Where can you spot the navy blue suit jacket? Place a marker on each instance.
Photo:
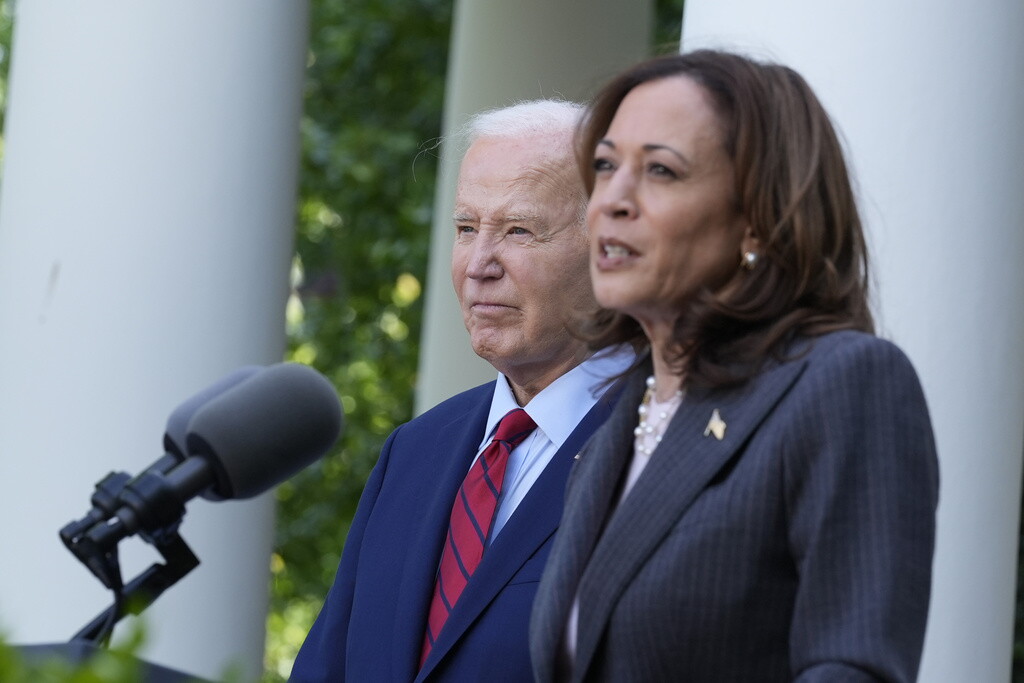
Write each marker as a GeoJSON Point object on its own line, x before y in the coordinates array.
{"type": "Point", "coordinates": [371, 626]}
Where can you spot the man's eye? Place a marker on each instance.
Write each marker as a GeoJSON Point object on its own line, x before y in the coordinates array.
{"type": "Point", "coordinates": [518, 231]}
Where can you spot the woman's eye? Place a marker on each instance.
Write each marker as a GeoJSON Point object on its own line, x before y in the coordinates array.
{"type": "Point", "coordinates": [602, 164]}
{"type": "Point", "coordinates": [657, 169]}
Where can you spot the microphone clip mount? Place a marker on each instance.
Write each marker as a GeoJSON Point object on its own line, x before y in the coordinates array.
{"type": "Point", "coordinates": [123, 506]}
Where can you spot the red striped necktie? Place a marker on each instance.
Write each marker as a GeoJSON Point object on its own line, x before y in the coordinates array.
{"type": "Point", "coordinates": [472, 520]}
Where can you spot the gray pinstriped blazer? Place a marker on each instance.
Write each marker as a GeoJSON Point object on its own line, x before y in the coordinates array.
{"type": "Point", "coordinates": [799, 547]}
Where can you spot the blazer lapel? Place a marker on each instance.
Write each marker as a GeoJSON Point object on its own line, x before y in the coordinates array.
{"type": "Point", "coordinates": [586, 505]}
{"type": "Point", "coordinates": [685, 462]}
{"type": "Point", "coordinates": [454, 449]}
{"type": "Point", "coordinates": [530, 526]}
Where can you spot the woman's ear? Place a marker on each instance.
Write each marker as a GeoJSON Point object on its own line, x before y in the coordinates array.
{"type": "Point", "coordinates": [750, 249]}
{"type": "Point", "coordinates": [750, 242]}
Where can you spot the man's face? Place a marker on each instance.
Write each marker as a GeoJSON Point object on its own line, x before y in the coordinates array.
{"type": "Point", "coordinates": [519, 264]}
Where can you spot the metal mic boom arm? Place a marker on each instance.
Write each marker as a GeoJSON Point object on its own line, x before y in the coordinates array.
{"type": "Point", "coordinates": [148, 505]}
{"type": "Point", "coordinates": [145, 588]}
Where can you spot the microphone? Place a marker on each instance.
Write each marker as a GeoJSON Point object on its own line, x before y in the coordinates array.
{"type": "Point", "coordinates": [105, 500]}
{"type": "Point", "coordinates": [239, 443]}
{"type": "Point", "coordinates": [268, 429]}
{"type": "Point", "coordinates": [177, 424]}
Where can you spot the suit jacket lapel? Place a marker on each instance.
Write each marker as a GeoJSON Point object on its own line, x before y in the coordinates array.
{"type": "Point", "coordinates": [530, 526]}
{"type": "Point", "coordinates": [453, 450]}
{"type": "Point", "coordinates": [586, 506]}
{"type": "Point", "coordinates": [682, 466]}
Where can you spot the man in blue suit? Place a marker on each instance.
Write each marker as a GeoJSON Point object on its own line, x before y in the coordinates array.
{"type": "Point", "coordinates": [520, 272]}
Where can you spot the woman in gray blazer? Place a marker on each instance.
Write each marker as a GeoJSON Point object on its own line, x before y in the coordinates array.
{"type": "Point", "coordinates": [760, 506]}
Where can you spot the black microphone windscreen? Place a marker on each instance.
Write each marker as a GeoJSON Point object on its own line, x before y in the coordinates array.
{"type": "Point", "coordinates": [262, 431]}
{"type": "Point", "coordinates": [177, 424]}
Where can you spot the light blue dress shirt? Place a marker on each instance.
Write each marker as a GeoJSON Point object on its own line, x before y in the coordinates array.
{"type": "Point", "coordinates": [557, 410]}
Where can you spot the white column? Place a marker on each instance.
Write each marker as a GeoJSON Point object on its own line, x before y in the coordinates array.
{"type": "Point", "coordinates": [502, 52]}
{"type": "Point", "coordinates": [930, 98]}
{"type": "Point", "coordinates": [146, 222]}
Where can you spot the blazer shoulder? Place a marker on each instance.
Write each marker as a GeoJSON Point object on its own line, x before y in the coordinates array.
{"type": "Point", "coordinates": [467, 399]}
{"type": "Point", "coordinates": [867, 388]}
{"type": "Point", "coordinates": [453, 408]}
{"type": "Point", "coordinates": [860, 353]}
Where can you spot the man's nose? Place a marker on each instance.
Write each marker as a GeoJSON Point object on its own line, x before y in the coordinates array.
{"type": "Point", "coordinates": [485, 260]}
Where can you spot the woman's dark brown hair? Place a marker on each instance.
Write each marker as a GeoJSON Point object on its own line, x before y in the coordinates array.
{"type": "Point", "coordinates": [793, 188]}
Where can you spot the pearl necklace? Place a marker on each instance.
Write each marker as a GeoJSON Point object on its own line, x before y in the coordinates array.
{"type": "Point", "coordinates": [654, 418]}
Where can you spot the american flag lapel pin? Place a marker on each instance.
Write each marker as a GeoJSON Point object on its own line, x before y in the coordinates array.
{"type": "Point", "coordinates": [716, 425]}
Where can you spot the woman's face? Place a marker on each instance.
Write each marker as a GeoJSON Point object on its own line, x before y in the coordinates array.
{"type": "Point", "coordinates": [662, 216]}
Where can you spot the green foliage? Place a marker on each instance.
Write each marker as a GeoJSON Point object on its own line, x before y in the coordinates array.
{"type": "Point", "coordinates": [118, 664]}
{"type": "Point", "coordinates": [106, 666]}
{"type": "Point", "coordinates": [668, 23]}
{"type": "Point", "coordinates": [6, 28]}
{"type": "Point", "coordinates": [373, 99]}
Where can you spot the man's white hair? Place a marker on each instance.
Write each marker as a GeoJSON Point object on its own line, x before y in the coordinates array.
{"type": "Point", "coordinates": [526, 119]}
{"type": "Point", "coordinates": [555, 119]}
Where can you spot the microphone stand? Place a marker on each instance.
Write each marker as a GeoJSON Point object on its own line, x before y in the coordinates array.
{"type": "Point", "coordinates": [94, 538]}
{"type": "Point", "coordinates": [149, 506]}
{"type": "Point", "coordinates": [143, 590]}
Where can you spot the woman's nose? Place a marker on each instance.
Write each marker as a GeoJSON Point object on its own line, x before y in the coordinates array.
{"type": "Point", "coordinates": [616, 197]}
